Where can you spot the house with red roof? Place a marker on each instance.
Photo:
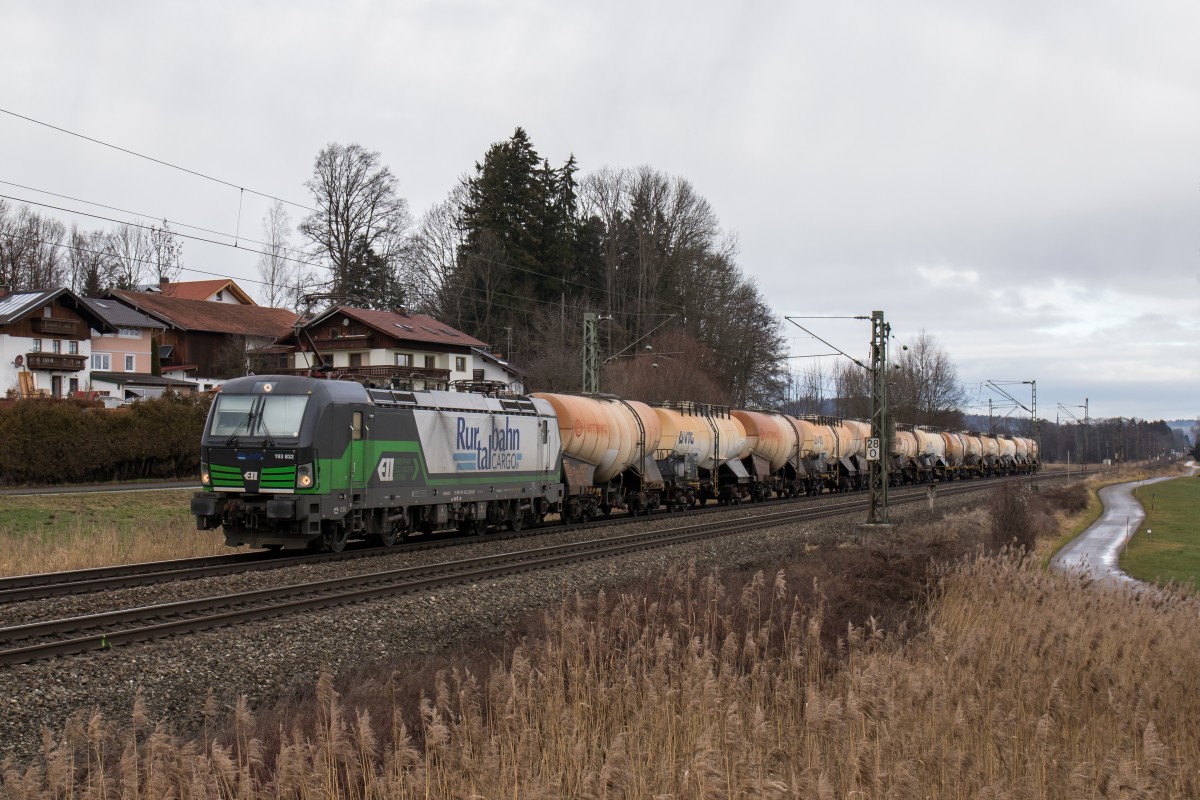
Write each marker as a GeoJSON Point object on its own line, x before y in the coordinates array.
{"type": "Point", "coordinates": [396, 348]}
{"type": "Point", "coordinates": [204, 340]}
{"type": "Point", "coordinates": [219, 290]}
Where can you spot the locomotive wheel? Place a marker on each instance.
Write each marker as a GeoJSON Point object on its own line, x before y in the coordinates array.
{"type": "Point", "coordinates": [388, 539]}
{"type": "Point", "coordinates": [517, 521]}
{"type": "Point", "coordinates": [335, 539]}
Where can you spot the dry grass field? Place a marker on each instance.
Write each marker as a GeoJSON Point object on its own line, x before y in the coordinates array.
{"type": "Point", "coordinates": [47, 533]}
{"type": "Point", "coordinates": [846, 671]}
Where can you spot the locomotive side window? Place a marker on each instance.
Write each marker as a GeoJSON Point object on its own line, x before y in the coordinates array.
{"type": "Point", "coordinates": [356, 426]}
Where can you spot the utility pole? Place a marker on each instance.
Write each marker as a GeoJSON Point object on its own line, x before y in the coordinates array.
{"type": "Point", "coordinates": [591, 353]}
{"type": "Point", "coordinates": [878, 467]}
{"type": "Point", "coordinates": [1037, 436]}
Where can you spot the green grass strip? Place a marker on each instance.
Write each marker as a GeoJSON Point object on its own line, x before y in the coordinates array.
{"type": "Point", "coordinates": [1171, 553]}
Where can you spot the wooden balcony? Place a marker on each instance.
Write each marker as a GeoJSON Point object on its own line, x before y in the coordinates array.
{"type": "Point", "coordinates": [55, 327]}
{"type": "Point", "coordinates": [55, 361]}
{"type": "Point", "coordinates": [349, 342]}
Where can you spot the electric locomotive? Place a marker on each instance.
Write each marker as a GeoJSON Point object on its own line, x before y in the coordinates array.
{"type": "Point", "coordinates": [297, 462]}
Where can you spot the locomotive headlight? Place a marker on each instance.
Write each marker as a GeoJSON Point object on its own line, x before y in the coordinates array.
{"type": "Point", "coordinates": [304, 476]}
{"type": "Point", "coordinates": [205, 477]}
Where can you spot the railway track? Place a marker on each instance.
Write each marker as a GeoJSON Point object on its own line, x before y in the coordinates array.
{"type": "Point", "coordinates": [103, 631]}
{"type": "Point", "coordinates": [58, 584]}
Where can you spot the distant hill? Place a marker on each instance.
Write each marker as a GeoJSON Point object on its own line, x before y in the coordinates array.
{"type": "Point", "coordinates": [1184, 425]}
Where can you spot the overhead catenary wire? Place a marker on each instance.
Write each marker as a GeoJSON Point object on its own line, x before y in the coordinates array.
{"type": "Point", "coordinates": [153, 159]}
{"type": "Point", "coordinates": [523, 300]}
{"type": "Point", "coordinates": [318, 265]}
{"type": "Point", "coordinates": [242, 190]}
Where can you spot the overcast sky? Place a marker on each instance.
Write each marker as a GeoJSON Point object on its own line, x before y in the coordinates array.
{"type": "Point", "coordinates": [1020, 179]}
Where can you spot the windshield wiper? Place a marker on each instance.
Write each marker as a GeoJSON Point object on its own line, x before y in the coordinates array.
{"type": "Point", "coordinates": [268, 440]}
{"type": "Point", "coordinates": [231, 440]}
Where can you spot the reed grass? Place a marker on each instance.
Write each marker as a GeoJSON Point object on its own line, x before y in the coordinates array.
{"type": "Point", "coordinates": [1013, 683]}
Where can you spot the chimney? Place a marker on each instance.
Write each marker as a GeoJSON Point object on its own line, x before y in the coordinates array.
{"type": "Point", "coordinates": [401, 310]}
{"type": "Point", "coordinates": [5, 289]}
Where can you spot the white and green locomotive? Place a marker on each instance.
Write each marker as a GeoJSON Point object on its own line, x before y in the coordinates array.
{"type": "Point", "coordinates": [297, 462]}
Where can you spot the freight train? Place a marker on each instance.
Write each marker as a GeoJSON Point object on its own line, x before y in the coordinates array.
{"type": "Point", "coordinates": [297, 462]}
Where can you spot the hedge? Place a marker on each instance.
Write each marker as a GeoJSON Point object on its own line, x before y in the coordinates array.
{"type": "Point", "coordinates": [67, 441]}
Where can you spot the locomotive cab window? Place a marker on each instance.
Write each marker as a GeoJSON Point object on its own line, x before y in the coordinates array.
{"type": "Point", "coordinates": [356, 426]}
{"type": "Point", "coordinates": [277, 415]}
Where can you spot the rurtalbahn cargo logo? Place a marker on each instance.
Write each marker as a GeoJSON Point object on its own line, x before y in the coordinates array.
{"type": "Point", "coordinates": [499, 449]}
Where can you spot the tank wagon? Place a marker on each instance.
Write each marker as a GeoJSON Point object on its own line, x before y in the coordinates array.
{"type": "Point", "coordinates": [608, 458]}
{"type": "Point", "coordinates": [294, 462]}
{"type": "Point", "coordinates": [700, 454]}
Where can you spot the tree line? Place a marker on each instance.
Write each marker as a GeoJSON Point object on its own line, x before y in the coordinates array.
{"type": "Point", "coordinates": [40, 252]}
{"type": "Point", "coordinates": [520, 250]}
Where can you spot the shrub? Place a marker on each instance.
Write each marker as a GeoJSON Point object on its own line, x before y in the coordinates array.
{"type": "Point", "coordinates": [1019, 517]}
{"type": "Point", "coordinates": [67, 441]}
{"type": "Point", "coordinates": [1070, 499]}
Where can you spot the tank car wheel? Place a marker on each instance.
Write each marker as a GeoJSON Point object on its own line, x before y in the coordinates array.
{"type": "Point", "coordinates": [387, 539]}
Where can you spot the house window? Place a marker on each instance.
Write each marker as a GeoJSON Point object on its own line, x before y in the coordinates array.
{"type": "Point", "coordinates": [220, 295]}
{"type": "Point", "coordinates": [46, 312]}
{"type": "Point", "coordinates": [129, 363]}
{"type": "Point", "coordinates": [430, 362]}
{"type": "Point", "coordinates": [129, 333]}
{"type": "Point", "coordinates": [356, 359]}
{"type": "Point", "coordinates": [56, 346]}
{"type": "Point", "coordinates": [403, 359]}
{"type": "Point", "coordinates": [74, 384]}
{"type": "Point", "coordinates": [102, 362]}
{"type": "Point", "coordinates": [460, 363]}
{"type": "Point", "coordinates": [73, 347]}
{"type": "Point", "coordinates": [36, 347]}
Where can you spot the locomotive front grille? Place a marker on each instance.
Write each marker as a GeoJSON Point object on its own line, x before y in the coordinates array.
{"type": "Point", "coordinates": [229, 478]}
{"type": "Point", "coordinates": [276, 480]}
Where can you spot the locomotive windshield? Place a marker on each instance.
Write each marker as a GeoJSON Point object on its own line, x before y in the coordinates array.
{"type": "Point", "coordinates": [270, 415]}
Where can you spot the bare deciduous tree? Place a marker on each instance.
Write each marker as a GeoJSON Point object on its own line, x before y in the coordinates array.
{"type": "Point", "coordinates": [926, 390]}
{"type": "Point", "coordinates": [166, 254]}
{"type": "Point", "coordinates": [358, 211]}
{"type": "Point", "coordinates": [129, 250]}
{"type": "Point", "coordinates": [276, 265]}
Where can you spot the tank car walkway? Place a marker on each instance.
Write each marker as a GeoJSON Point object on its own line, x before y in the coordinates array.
{"type": "Point", "coordinates": [1097, 550]}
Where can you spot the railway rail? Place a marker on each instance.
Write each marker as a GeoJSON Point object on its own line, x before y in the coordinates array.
{"type": "Point", "coordinates": [103, 631]}
{"type": "Point", "coordinates": [58, 584]}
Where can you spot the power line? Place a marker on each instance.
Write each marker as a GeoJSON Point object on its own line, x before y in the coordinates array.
{"type": "Point", "coordinates": [243, 189]}
{"type": "Point", "coordinates": [148, 227]}
{"type": "Point", "coordinates": [140, 215]}
{"type": "Point", "coordinates": [564, 281]}
{"type": "Point", "coordinates": [155, 160]}
{"type": "Point", "coordinates": [80, 249]}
